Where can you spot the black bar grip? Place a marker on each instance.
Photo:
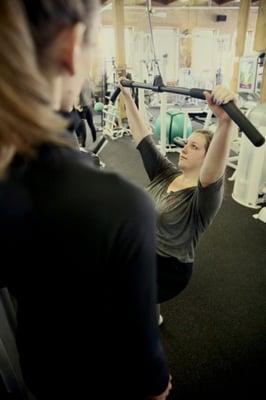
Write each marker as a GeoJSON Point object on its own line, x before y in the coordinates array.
{"type": "Point", "coordinates": [244, 124]}
{"type": "Point", "coordinates": [237, 116]}
{"type": "Point", "coordinates": [115, 94]}
{"type": "Point", "coordinates": [117, 91]}
{"type": "Point", "coordinates": [230, 108]}
{"type": "Point", "coordinates": [128, 83]}
{"type": "Point", "coordinates": [198, 93]}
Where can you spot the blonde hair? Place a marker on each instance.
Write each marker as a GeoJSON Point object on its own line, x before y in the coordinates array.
{"type": "Point", "coordinates": [27, 29]}
{"type": "Point", "coordinates": [26, 116]}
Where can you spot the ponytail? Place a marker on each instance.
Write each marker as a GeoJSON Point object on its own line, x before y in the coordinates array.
{"type": "Point", "coordinates": [26, 116]}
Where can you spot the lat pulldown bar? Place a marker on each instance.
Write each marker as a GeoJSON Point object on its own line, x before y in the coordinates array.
{"type": "Point", "coordinates": [230, 108]}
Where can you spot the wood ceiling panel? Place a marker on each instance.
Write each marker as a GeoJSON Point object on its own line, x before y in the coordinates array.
{"type": "Point", "coordinates": [176, 2]}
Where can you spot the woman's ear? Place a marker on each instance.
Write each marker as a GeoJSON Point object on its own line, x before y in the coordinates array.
{"type": "Point", "coordinates": [69, 47]}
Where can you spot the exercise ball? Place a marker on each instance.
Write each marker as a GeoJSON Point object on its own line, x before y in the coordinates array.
{"type": "Point", "coordinates": [98, 107]}
{"type": "Point", "coordinates": [174, 126]}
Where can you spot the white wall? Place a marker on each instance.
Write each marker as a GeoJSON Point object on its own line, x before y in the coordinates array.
{"type": "Point", "coordinates": [226, 55]}
{"type": "Point", "coordinates": [166, 43]}
{"type": "Point", "coordinates": [210, 50]}
{"type": "Point", "coordinates": [138, 48]}
{"type": "Point", "coordinates": [204, 59]}
{"type": "Point", "coordinates": [108, 48]}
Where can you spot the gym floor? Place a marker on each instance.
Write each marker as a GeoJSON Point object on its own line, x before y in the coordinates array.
{"type": "Point", "coordinates": [214, 333]}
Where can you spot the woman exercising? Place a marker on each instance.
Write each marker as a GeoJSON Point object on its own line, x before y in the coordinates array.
{"type": "Point", "coordinates": [188, 196]}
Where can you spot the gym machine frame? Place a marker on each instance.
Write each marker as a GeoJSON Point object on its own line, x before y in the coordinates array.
{"type": "Point", "coordinates": [230, 108]}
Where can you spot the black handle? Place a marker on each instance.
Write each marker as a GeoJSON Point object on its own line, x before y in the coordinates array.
{"type": "Point", "coordinates": [230, 108]}
{"type": "Point", "coordinates": [237, 116]}
{"type": "Point", "coordinates": [125, 83]}
{"type": "Point", "coordinates": [244, 124]}
{"type": "Point", "coordinates": [115, 94]}
{"type": "Point", "coordinates": [198, 93]}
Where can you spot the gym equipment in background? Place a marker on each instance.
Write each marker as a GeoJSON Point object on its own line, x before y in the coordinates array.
{"type": "Point", "coordinates": [113, 125]}
{"type": "Point", "coordinates": [230, 108]}
{"type": "Point", "coordinates": [178, 124]}
{"type": "Point", "coordinates": [249, 82]}
{"type": "Point", "coordinates": [261, 214]}
{"type": "Point", "coordinates": [250, 74]}
{"type": "Point", "coordinates": [250, 178]}
{"type": "Point", "coordinates": [98, 107]}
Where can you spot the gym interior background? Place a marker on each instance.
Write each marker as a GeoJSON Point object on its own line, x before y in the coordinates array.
{"type": "Point", "coordinates": [214, 333]}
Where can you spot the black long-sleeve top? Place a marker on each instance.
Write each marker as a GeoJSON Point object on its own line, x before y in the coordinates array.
{"type": "Point", "coordinates": [79, 245]}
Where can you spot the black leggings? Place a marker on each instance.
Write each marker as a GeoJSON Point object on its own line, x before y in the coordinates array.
{"type": "Point", "coordinates": [172, 277]}
{"type": "Point", "coordinates": [87, 115]}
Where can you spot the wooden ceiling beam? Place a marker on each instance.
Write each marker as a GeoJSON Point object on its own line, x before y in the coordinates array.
{"type": "Point", "coordinates": [166, 2]}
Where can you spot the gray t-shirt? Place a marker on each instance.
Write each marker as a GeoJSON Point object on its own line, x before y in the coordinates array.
{"type": "Point", "coordinates": [184, 215]}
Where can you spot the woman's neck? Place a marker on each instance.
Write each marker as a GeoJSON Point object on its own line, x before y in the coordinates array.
{"type": "Point", "coordinates": [55, 89]}
{"type": "Point", "coordinates": [190, 177]}
{"type": "Point", "coordinates": [54, 86]}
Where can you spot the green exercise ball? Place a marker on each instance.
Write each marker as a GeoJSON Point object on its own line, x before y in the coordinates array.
{"type": "Point", "coordinates": [98, 107]}
{"type": "Point", "coordinates": [174, 126]}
